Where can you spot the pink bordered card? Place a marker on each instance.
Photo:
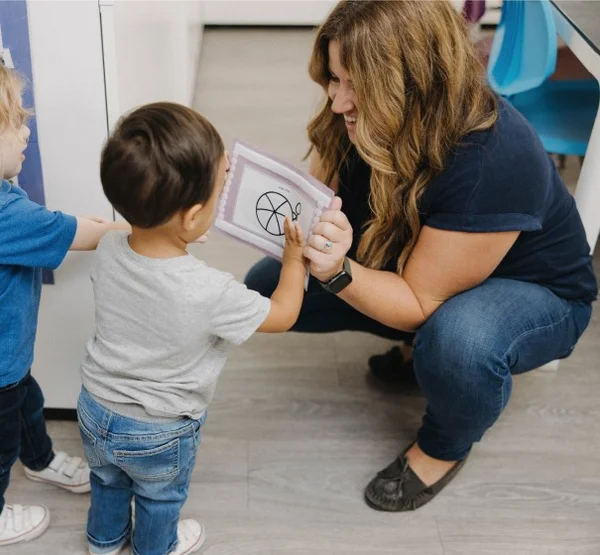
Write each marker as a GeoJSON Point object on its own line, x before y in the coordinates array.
{"type": "Point", "coordinates": [260, 192]}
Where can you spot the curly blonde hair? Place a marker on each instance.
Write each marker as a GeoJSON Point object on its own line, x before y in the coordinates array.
{"type": "Point", "coordinates": [420, 88]}
{"type": "Point", "coordinates": [12, 113]}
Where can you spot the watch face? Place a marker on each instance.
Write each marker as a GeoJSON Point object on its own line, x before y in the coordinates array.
{"type": "Point", "coordinates": [340, 282]}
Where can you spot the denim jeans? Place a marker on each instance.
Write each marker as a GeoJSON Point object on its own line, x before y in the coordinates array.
{"type": "Point", "coordinates": [465, 353]}
{"type": "Point", "coordinates": [22, 430]}
{"type": "Point", "coordinates": [150, 462]}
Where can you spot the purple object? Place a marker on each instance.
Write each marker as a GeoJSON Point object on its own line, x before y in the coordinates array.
{"type": "Point", "coordinates": [473, 10]}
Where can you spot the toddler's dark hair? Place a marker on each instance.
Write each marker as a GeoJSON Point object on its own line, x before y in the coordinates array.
{"type": "Point", "coordinates": [160, 159]}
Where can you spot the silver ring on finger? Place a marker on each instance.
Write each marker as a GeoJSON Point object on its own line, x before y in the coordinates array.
{"type": "Point", "coordinates": [327, 246]}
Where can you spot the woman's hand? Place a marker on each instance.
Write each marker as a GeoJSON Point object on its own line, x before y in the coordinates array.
{"type": "Point", "coordinates": [330, 240]}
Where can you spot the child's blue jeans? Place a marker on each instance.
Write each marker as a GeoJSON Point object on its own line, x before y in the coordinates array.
{"type": "Point", "coordinates": [22, 430]}
{"type": "Point", "coordinates": [466, 352]}
{"type": "Point", "coordinates": [150, 462]}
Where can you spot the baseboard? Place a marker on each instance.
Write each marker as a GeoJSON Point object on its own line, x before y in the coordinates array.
{"type": "Point", "coordinates": [60, 414]}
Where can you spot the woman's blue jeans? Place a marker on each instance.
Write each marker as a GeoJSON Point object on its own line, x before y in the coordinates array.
{"type": "Point", "coordinates": [466, 352]}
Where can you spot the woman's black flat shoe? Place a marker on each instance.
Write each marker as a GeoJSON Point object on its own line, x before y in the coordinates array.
{"type": "Point", "coordinates": [392, 369]}
{"type": "Point", "coordinates": [397, 488]}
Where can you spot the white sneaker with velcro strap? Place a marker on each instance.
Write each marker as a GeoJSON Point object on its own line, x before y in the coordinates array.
{"type": "Point", "coordinates": [70, 473]}
{"type": "Point", "coordinates": [190, 537]}
{"type": "Point", "coordinates": [19, 523]}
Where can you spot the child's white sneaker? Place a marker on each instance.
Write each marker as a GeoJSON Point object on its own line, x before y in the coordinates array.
{"type": "Point", "coordinates": [190, 537]}
{"type": "Point", "coordinates": [20, 523]}
{"type": "Point", "coordinates": [70, 473]}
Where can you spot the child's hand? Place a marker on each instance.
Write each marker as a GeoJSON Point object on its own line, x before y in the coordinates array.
{"type": "Point", "coordinates": [294, 242]}
{"type": "Point", "coordinates": [286, 300]}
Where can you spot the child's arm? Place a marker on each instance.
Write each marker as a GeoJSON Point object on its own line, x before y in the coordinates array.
{"type": "Point", "coordinates": [286, 300]}
{"type": "Point", "coordinates": [91, 230]}
{"type": "Point", "coordinates": [35, 237]}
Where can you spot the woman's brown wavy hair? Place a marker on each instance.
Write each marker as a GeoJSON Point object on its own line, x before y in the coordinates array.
{"type": "Point", "coordinates": [420, 88]}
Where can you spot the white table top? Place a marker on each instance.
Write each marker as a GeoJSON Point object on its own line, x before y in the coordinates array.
{"type": "Point", "coordinates": [584, 16]}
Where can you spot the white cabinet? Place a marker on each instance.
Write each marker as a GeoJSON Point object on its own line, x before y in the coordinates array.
{"type": "Point", "coordinates": [151, 51]}
{"type": "Point", "coordinates": [87, 70]}
{"type": "Point", "coordinates": [66, 52]}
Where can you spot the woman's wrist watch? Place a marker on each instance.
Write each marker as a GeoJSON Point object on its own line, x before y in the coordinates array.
{"type": "Point", "coordinates": [339, 281]}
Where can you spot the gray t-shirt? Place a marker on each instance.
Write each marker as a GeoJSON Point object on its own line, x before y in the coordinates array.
{"type": "Point", "coordinates": [163, 328]}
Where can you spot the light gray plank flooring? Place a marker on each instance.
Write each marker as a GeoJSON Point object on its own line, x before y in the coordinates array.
{"type": "Point", "coordinates": [295, 430]}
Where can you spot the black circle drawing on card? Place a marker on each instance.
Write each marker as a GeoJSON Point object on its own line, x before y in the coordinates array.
{"type": "Point", "coordinates": [272, 208]}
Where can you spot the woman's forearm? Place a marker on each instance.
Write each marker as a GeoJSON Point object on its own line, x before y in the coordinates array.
{"type": "Point", "coordinates": [385, 297]}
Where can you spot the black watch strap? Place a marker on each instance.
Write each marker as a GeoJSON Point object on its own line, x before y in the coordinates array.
{"type": "Point", "coordinates": [340, 281]}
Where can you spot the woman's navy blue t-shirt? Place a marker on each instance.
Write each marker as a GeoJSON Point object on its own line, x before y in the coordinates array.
{"type": "Point", "coordinates": [500, 179]}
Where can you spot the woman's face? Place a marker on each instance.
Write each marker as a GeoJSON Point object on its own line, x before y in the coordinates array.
{"type": "Point", "coordinates": [341, 91]}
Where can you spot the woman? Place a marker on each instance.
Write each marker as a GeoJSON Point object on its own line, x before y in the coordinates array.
{"type": "Point", "coordinates": [454, 225]}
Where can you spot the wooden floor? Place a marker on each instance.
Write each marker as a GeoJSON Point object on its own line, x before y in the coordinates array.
{"type": "Point", "coordinates": [295, 432]}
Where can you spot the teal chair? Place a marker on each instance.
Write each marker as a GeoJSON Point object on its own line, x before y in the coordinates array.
{"type": "Point", "coordinates": [522, 57]}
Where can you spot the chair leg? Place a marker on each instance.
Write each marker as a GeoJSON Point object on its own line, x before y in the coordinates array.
{"type": "Point", "coordinates": [587, 192]}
